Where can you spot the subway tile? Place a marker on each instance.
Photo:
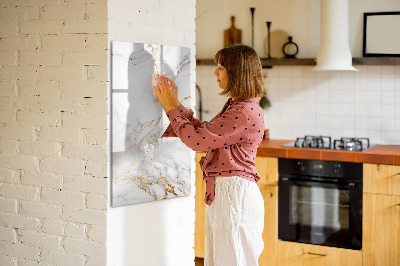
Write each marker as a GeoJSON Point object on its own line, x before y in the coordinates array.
{"type": "Point", "coordinates": [284, 83]}
{"type": "Point", "coordinates": [361, 97]}
{"type": "Point", "coordinates": [322, 121]}
{"type": "Point", "coordinates": [388, 137]}
{"type": "Point", "coordinates": [374, 123]}
{"type": "Point", "coordinates": [347, 109]}
{"type": "Point", "coordinates": [335, 95]}
{"type": "Point", "coordinates": [388, 84]}
{"type": "Point", "coordinates": [360, 124]}
{"type": "Point", "coordinates": [297, 83]}
{"type": "Point", "coordinates": [348, 122]}
{"type": "Point", "coordinates": [322, 96]}
{"type": "Point", "coordinates": [388, 97]}
{"type": "Point", "coordinates": [348, 96]}
{"type": "Point", "coordinates": [322, 109]}
{"type": "Point", "coordinates": [349, 132]}
{"type": "Point", "coordinates": [397, 123]}
{"type": "Point", "coordinates": [397, 72]}
{"type": "Point", "coordinates": [388, 124]}
{"type": "Point", "coordinates": [374, 110]}
{"type": "Point", "coordinates": [374, 84]}
{"type": "Point", "coordinates": [374, 97]}
{"type": "Point", "coordinates": [335, 122]}
{"type": "Point", "coordinates": [361, 110]}
{"type": "Point", "coordinates": [310, 95]}
{"type": "Point", "coordinates": [310, 108]}
{"type": "Point", "coordinates": [296, 71]}
{"type": "Point", "coordinates": [321, 83]}
{"type": "Point", "coordinates": [388, 110]}
{"type": "Point", "coordinates": [374, 70]}
{"type": "Point", "coordinates": [397, 133]}
{"type": "Point", "coordinates": [387, 71]}
{"type": "Point", "coordinates": [375, 136]}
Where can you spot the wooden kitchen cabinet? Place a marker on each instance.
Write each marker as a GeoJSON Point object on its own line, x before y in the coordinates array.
{"type": "Point", "coordinates": [200, 207]}
{"type": "Point", "coordinates": [270, 233]}
{"type": "Point", "coordinates": [381, 215]}
{"type": "Point", "coordinates": [267, 168]}
{"type": "Point", "coordinates": [381, 179]}
{"type": "Point", "coordinates": [298, 254]}
{"type": "Point", "coordinates": [381, 230]}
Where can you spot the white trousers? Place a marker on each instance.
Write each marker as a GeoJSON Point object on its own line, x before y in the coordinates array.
{"type": "Point", "coordinates": [234, 223]}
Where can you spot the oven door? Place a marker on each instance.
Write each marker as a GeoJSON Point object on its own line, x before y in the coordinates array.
{"type": "Point", "coordinates": [321, 212]}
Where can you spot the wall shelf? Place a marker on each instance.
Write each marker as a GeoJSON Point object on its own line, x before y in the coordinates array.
{"type": "Point", "coordinates": [312, 61]}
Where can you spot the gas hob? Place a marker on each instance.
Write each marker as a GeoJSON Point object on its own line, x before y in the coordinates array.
{"type": "Point", "coordinates": [325, 142]}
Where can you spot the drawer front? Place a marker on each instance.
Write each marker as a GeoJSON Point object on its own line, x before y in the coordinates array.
{"type": "Point", "coordinates": [294, 254]}
{"type": "Point", "coordinates": [381, 179]}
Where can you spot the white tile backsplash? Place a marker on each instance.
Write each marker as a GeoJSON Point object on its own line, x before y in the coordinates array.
{"type": "Point", "coordinates": [364, 103]}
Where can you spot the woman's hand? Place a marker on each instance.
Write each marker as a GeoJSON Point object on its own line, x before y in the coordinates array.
{"type": "Point", "coordinates": [164, 94]}
{"type": "Point", "coordinates": [174, 90]}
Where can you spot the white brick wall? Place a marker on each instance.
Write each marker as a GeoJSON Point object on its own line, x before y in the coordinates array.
{"type": "Point", "coordinates": [53, 122]}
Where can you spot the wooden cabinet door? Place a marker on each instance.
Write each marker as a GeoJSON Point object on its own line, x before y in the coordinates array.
{"type": "Point", "coordinates": [381, 230]}
{"type": "Point", "coordinates": [267, 168]}
{"type": "Point", "coordinates": [200, 207]}
{"type": "Point", "coordinates": [381, 179]}
{"type": "Point", "coordinates": [297, 254]}
{"type": "Point", "coordinates": [270, 233]}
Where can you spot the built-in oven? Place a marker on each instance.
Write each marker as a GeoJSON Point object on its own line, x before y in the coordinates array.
{"type": "Point", "coordinates": [320, 202]}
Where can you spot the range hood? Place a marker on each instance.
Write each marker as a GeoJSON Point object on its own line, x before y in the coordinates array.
{"type": "Point", "coordinates": [334, 51]}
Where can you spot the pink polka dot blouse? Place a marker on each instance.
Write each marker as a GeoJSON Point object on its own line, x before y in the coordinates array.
{"type": "Point", "coordinates": [231, 139]}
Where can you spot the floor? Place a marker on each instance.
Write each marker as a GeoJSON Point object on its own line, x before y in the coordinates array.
{"type": "Point", "coordinates": [199, 262]}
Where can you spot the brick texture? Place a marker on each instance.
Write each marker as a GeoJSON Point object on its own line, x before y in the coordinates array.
{"type": "Point", "coordinates": [53, 122]}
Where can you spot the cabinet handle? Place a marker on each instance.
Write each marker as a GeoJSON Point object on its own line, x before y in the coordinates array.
{"type": "Point", "coordinates": [398, 204]}
{"type": "Point", "coordinates": [318, 254]}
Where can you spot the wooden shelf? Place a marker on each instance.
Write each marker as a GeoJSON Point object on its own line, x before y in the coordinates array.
{"type": "Point", "coordinates": [376, 61]}
{"type": "Point", "coordinates": [312, 61]}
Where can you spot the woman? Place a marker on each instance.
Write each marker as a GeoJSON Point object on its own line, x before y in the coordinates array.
{"type": "Point", "coordinates": [235, 207]}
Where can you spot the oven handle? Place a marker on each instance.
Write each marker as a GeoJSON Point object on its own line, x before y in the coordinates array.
{"type": "Point", "coordinates": [297, 181]}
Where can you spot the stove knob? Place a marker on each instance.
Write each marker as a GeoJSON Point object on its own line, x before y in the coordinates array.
{"type": "Point", "coordinates": [336, 169]}
{"type": "Point", "coordinates": [301, 166]}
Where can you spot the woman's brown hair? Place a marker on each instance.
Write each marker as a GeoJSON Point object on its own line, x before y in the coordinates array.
{"type": "Point", "coordinates": [245, 78]}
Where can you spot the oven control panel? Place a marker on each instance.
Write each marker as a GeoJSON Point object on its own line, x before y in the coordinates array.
{"type": "Point", "coordinates": [331, 169]}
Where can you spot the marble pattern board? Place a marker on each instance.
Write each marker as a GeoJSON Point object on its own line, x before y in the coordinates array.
{"type": "Point", "coordinates": [144, 166]}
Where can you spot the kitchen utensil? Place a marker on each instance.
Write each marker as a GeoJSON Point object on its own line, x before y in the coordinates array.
{"type": "Point", "coordinates": [269, 38]}
{"type": "Point", "coordinates": [252, 9]}
{"type": "Point", "coordinates": [232, 35]}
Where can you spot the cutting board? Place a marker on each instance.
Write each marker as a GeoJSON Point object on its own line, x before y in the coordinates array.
{"type": "Point", "coordinates": [232, 35]}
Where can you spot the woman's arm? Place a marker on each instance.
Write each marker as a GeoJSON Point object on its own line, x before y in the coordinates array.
{"type": "Point", "coordinates": [228, 129]}
{"type": "Point", "coordinates": [186, 113]}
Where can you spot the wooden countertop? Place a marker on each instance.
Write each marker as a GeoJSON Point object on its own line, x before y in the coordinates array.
{"type": "Point", "coordinates": [379, 154]}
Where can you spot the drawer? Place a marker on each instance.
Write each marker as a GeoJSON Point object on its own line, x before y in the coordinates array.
{"type": "Point", "coordinates": [293, 254]}
{"type": "Point", "coordinates": [381, 179]}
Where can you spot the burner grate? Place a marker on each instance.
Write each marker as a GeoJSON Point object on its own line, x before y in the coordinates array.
{"type": "Point", "coordinates": [321, 142]}
{"type": "Point", "coordinates": [351, 144]}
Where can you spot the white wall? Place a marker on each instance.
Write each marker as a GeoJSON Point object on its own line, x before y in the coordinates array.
{"type": "Point", "coordinates": [162, 232]}
{"type": "Point", "coordinates": [338, 104]}
{"type": "Point", "coordinates": [299, 18]}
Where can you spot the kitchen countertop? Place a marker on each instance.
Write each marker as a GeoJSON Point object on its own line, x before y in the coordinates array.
{"type": "Point", "coordinates": [379, 154]}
